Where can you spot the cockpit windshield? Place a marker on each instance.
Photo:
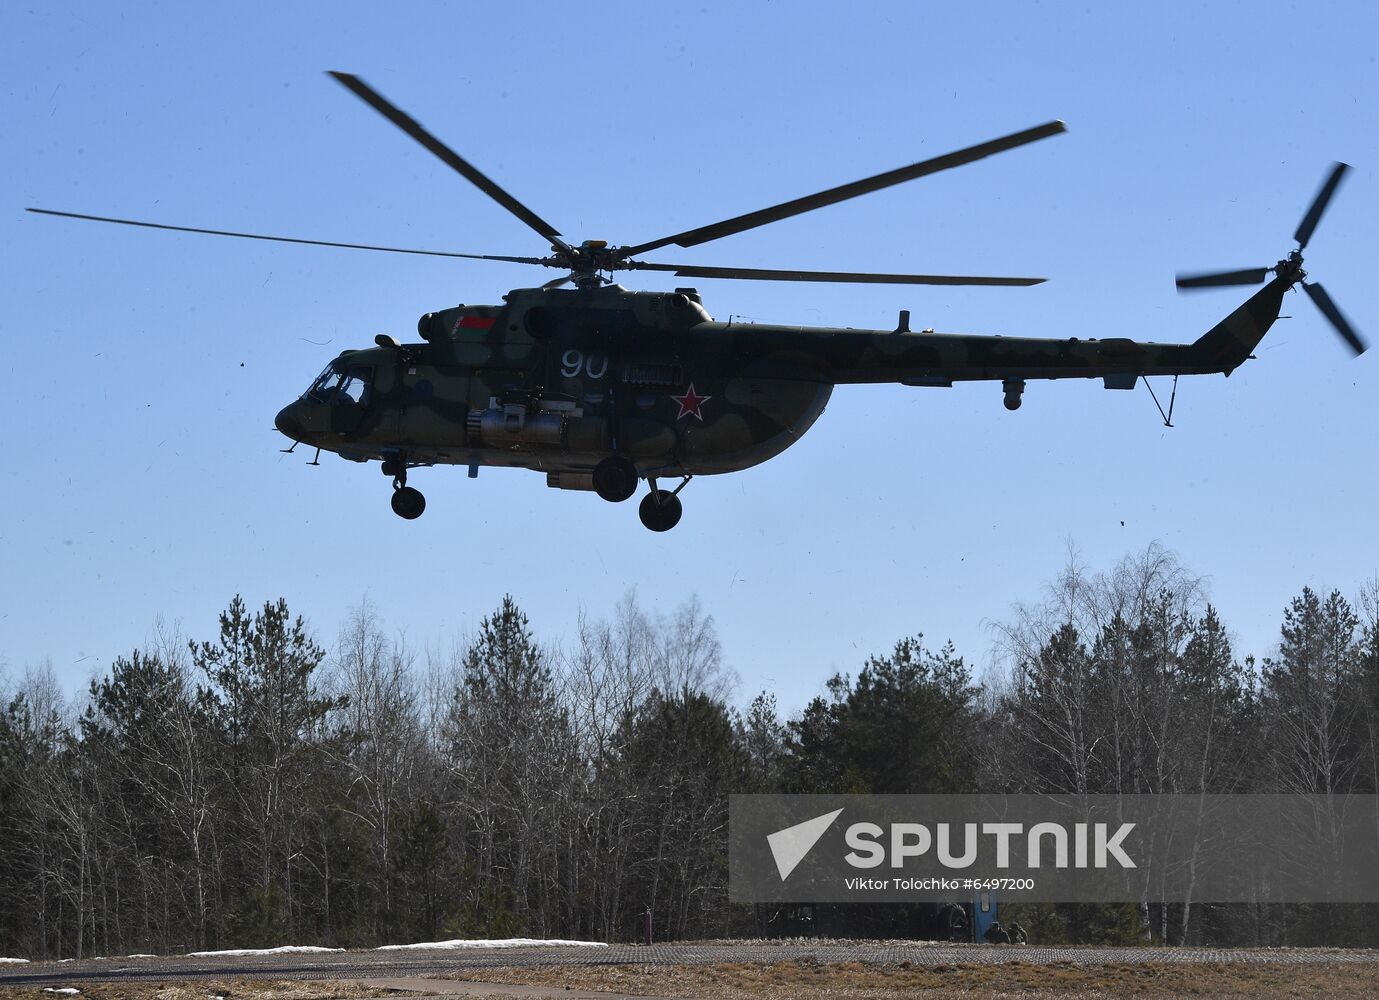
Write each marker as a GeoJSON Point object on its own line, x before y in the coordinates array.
{"type": "Point", "coordinates": [342, 381]}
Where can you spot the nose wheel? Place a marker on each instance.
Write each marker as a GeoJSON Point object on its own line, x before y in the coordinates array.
{"type": "Point", "coordinates": [407, 502]}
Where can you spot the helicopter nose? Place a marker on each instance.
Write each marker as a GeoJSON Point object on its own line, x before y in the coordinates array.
{"type": "Point", "coordinates": [289, 421]}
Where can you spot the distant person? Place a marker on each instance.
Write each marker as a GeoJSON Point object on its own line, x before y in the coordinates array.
{"type": "Point", "coordinates": [1017, 934]}
{"type": "Point", "coordinates": [996, 934]}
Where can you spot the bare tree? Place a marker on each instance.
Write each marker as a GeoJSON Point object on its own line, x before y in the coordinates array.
{"type": "Point", "coordinates": [381, 744]}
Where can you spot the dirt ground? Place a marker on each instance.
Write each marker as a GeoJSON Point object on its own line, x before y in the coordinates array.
{"type": "Point", "coordinates": [1027, 981]}
{"type": "Point", "coordinates": [813, 981]}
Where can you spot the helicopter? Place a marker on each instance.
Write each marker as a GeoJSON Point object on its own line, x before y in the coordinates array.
{"type": "Point", "coordinates": [601, 388]}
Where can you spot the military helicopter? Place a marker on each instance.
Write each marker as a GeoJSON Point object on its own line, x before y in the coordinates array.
{"type": "Point", "coordinates": [600, 387]}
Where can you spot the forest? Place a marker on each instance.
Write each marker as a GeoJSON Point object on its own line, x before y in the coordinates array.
{"type": "Point", "coordinates": [257, 788]}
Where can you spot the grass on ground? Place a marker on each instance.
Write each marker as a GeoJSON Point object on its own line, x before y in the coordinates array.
{"type": "Point", "coordinates": [1027, 980]}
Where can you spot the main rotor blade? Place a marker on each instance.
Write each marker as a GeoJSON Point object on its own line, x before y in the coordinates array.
{"type": "Point", "coordinates": [857, 277]}
{"type": "Point", "coordinates": [1216, 279]}
{"type": "Point", "coordinates": [1319, 203]}
{"type": "Point", "coordinates": [1329, 310]}
{"type": "Point", "coordinates": [285, 239]}
{"type": "Point", "coordinates": [693, 237]}
{"type": "Point", "coordinates": [447, 155]}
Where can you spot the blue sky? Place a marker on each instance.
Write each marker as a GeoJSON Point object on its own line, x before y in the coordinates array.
{"type": "Point", "coordinates": [143, 476]}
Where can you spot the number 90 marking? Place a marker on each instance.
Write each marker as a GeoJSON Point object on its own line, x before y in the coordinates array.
{"type": "Point", "coordinates": [573, 363]}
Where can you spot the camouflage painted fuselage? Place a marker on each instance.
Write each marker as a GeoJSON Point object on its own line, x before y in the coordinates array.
{"type": "Point", "coordinates": [555, 380]}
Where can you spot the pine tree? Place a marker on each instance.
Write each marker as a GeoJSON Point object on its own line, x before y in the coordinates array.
{"type": "Point", "coordinates": [268, 719]}
{"type": "Point", "coordinates": [905, 726]}
{"type": "Point", "coordinates": [683, 753]}
{"type": "Point", "coordinates": [511, 764]}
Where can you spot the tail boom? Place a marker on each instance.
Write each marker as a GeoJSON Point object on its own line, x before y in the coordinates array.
{"type": "Point", "coordinates": [1230, 343]}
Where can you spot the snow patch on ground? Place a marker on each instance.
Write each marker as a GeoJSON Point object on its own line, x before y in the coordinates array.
{"type": "Point", "coordinates": [492, 943]}
{"type": "Point", "coordinates": [287, 949]}
{"type": "Point", "coordinates": [14, 961]}
{"type": "Point", "coordinates": [141, 956]}
{"type": "Point", "coordinates": [66, 991]}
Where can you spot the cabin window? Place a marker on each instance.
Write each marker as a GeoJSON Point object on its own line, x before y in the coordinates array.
{"type": "Point", "coordinates": [340, 382]}
{"type": "Point", "coordinates": [356, 383]}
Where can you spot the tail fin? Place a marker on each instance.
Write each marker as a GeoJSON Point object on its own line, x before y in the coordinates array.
{"type": "Point", "coordinates": [1229, 343]}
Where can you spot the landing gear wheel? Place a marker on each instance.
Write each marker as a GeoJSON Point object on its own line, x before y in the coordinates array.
{"type": "Point", "coordinates": [660, 510]}
{"type": "Point", "coordinates": [615, 478]}
{"type": "Point", "coordinates": [408, 502]}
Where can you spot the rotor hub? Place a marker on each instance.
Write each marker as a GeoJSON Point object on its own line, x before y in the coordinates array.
{"type": "Point", "coordinates": [586, 262]}
{"type": "Point", "coordinates": [1290, 268]}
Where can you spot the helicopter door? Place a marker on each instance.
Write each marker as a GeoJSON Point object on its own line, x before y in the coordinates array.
{"type": "Point", "coordinates": [351, 399]}
{"type": "Point", "coordinates": [578, 350]}
{"type": "Point", "coordinates": [345, 389]}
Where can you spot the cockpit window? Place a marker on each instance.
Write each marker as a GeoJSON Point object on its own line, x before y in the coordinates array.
{"type": "Point", "coordinates": [356, 383]}
{"type": "Point", "coordinates": [342, 381]}
{"type": "Point", "coordinates": [324, 386]}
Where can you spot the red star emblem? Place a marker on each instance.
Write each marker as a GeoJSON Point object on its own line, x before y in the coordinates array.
{"type": "Point", "coordinates": [690, 403]}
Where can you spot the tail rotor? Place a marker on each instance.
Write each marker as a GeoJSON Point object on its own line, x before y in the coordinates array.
{"type": "Point", "coordinates": [1290, 268]}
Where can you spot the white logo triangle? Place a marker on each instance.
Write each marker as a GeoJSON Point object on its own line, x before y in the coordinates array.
{"type": "Point", "coordinates": [789, 846]}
